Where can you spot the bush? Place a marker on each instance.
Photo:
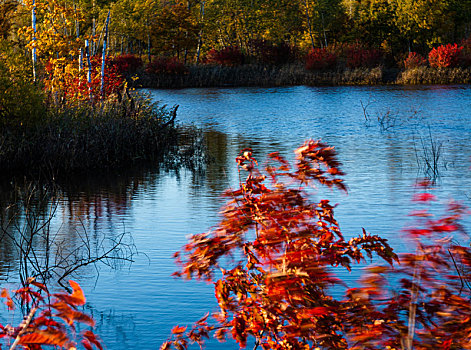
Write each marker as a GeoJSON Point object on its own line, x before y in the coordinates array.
{"type": "Point", "coordinates": [320, 59]}
{"type": "Point", "coordinates": [127, 64]}
{"type": "Point", "coordinates": [283, 292]}
{"type": "Point", "coordinates": [21, 101]}
{"type": "Point", "coordinates": [66, 85]}
{"type": "Point", "coordinates": [361, 56]}
{"type": "Point", "coordinates": [270, 53]}
{"type": "Point", "coordinates": [445, 56]}
{"type": "Point", "coordinates": [121, 130]}
{"type": "Point", "coordinates": [166, 65]}
{"type": "Point", "coordinates": [414, 60]}
{"type": "Point", "coordinates": [228, 56]}
{"type": "Point", "coordinates": [51, 319]}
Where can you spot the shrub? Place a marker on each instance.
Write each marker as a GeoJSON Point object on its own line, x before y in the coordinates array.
{"type": "Point", "coordinates": [270, 53]}
{"type": "Point", "coordinates": [445, 56]}
{"type": "Point", "coordinates": [414, 60]}
{"type": "Point", "coordinates": [166, 65]}
{"type": "Point", "coordinates": [319, 59]}
{"type": "Point", "coordinates": [359, 56]}
{"type": "Point", "coordinates": [228, 56]}
{"type": "Point", "coordinates": [51, 319]}
{"type": "Point", "coordinates": [127, 64]}
{"type": "Point", "coordinates": [280, 288]}
{"type": "Point", "coordinates": [280, 292]}
{"type": "Point", "coordinates": [66, 84]}
{"type": "Point", "coordinates": [21, 101]}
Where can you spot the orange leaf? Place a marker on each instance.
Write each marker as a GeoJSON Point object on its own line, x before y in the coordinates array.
{"type": "Point", "coordinates": [78, 293]}
{"type": "Point", "coordinates": [44, 337]}
{"type": "Point", "coordinates": [165, 346]}
{"type": "Point", "coordinates": [178, 330]}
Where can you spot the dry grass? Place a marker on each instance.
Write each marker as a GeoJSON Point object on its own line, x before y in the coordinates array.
{"type": "Point", "coordinates": [260, 75]}
{"type": "Point", "coordinates": [427, 75]}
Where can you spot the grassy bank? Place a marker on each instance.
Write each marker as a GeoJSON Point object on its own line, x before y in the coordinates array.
{"type": "Point", "coordinates": [116, 133]}
{"type": "Point", "coordinates": [427, 75]}
{"type": "Point", "coordinates": [296, 74]}
{"type": "Point", "coordinates": [259, 75]}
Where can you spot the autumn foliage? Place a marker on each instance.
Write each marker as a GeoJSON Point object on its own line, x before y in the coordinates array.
{"type": "Point", "coordinates": [126, 64]}
{"type": "Point", "coordinates": [273, 256]}
{"type": "Point", "coordinates": [414, 60]}
{"type": "Point", "coordinates": [359, 55]}
{"type": "Point", "coordinates": [320, 59]}
{"type": "Point", "coordinates": [51, 319]}
{"type": "Point", "coordinates": [445, 56]}
{"type": "Point", "coordinates": [268, 52]}
{"type": "Point", "coordinates": [166, 65]}
{"type": "Point", "coordinates": [72, 84]}
{"type": "Point", "coordinates": [227, 56]}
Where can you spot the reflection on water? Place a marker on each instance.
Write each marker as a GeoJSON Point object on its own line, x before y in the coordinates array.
{"type": "Point", "coordinates": [137, 305]}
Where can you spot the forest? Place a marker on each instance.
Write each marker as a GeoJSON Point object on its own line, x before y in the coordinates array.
{"type": "Point", "coordinates": [322, 33]}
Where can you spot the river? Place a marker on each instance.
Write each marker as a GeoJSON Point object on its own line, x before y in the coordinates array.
{"type": "Point", "coordinates": [384, 137]}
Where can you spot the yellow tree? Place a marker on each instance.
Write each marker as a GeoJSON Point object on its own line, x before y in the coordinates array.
{"type": "Point", "coordinates": [7, 12]}
{"type": "Point", "coordinates": [56, 42]}
{"type": "Point", "coordinates": [175, 29]}
{"type": "Point", "coordinates": [423, 23]}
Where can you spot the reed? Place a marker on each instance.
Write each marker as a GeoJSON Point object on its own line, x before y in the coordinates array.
{"type": "Point", "coordinates": [428, 75]}
{"type": "Point", "coordinates": [260, 75]}
{"type": "Point", "coordinates": [118, 132]}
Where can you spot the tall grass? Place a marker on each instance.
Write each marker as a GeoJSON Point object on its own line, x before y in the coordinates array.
{"type": "Point", "coordinates": [260, 75]}
{"type": "Point", "coordinates": [427, 75]}
{"type": "Point", "coordinates": [118, 132]}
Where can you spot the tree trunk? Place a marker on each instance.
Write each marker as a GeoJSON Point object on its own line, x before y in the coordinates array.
{"type": "Point", "coordinates": [308, 18]}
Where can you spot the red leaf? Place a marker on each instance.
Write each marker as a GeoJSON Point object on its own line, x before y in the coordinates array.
{"type": "Point", "coordinates": [423, 197]}
{"type": "Point", "coordinates": [318, 311]}
{"type": "Point", "coordinates": [86, 344]}
{"type": "Point", "coordinates": [92, 338]}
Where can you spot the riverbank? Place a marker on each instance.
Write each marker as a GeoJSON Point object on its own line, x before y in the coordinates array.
{"type": "Point", "coordinates": [296, 74]}
{"type": "Point", "coordinates": [113, 134]}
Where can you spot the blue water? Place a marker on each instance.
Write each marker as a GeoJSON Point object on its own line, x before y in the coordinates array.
{"type": "Point", "coordinates": [380, 133]}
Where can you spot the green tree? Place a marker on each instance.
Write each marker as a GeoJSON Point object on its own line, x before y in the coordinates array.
{"type": "Point", "coordinates": [460, 10]}
{"type": "Point", "coordinates": [322, 21]}
{"type": "Point", "coordinates": [373, 22]}
{"type": "Point", "coordinates": [175, 29]}
{"type": "Point", "coordinates": [423, 23]}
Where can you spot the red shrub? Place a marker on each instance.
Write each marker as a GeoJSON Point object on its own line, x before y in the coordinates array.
{"type": "Point", "coordinates": [166, 65]}
{"type": "Point", "coordinates": [228, 56]}
{"type": "Point", "coordinates": [75, 86]}
{"type": "Point", "coordinates": [271, 53]}
{"type": "Point", "coordinates": [358, 55]}
{"type": "Point", "coordinates": [51, 319]}
{"type": "Point", "coordinates": [414, 60]}
{"type": "Point", "coordinates": [319, 59]}
{"type": "Point", "coordinates": [127, 64]}
{"type": "Point", "coordinates": [282, 292]}
{"type": "Point", "coordinates": [445, 56]}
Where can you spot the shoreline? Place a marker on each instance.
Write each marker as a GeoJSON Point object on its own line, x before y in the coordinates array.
{"type": "Point", "coordinates": [295, 74]}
